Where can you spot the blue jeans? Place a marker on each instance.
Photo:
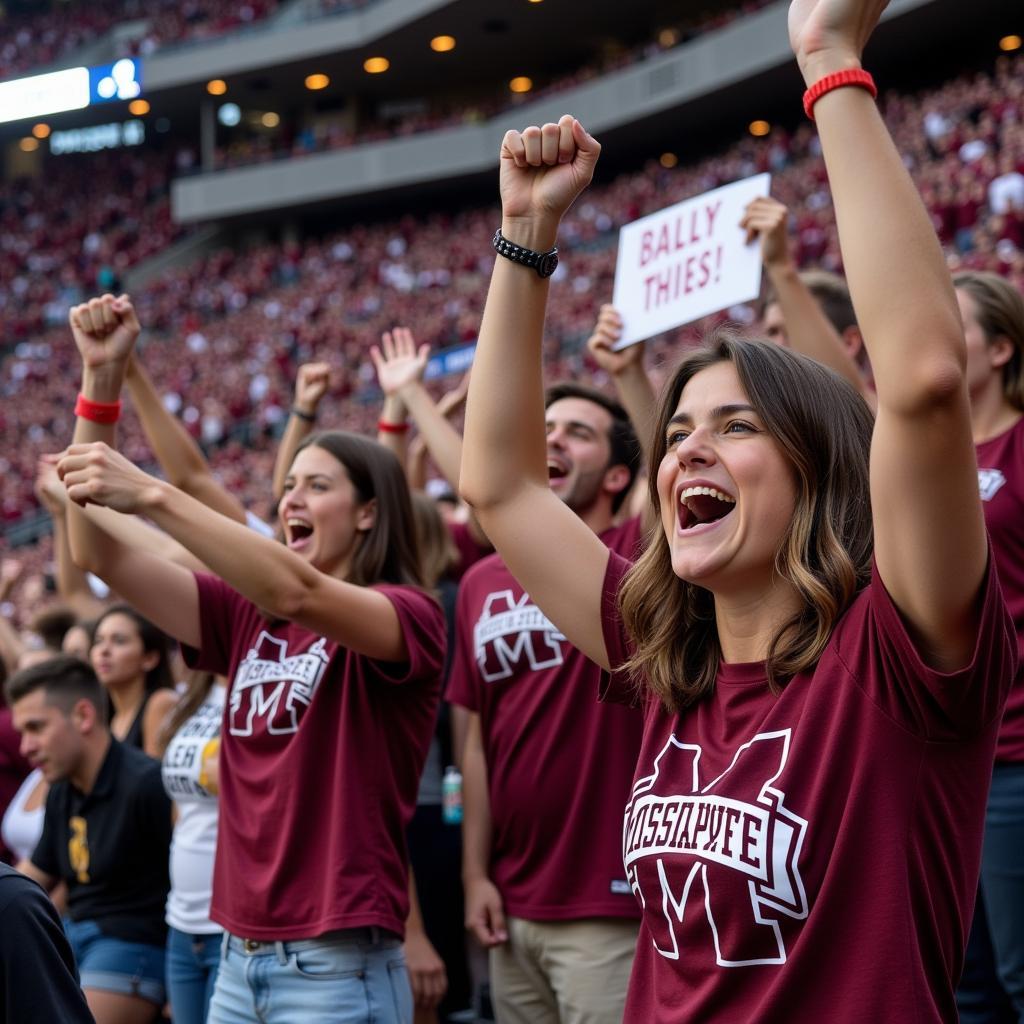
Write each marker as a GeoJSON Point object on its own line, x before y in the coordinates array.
{"type": "Point", "coordinates": [992, 988]}
{"type": "Point", "coordinates": [192, 962]}
{"type": "Point", "coordinates": [356, 976]}
{"type": "Point", "coordinates": [109, 964]}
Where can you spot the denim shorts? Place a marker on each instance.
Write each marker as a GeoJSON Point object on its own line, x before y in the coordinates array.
{"type": "Point", "coordinates": [355, 976]}
{"type": "Point", "coordinates": [116, 965]}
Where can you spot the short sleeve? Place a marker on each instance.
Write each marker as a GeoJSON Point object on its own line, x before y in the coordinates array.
{"type": "Point", "coordinates": [617, 687]}
{"type": "Point", "coordinates": [873, 643]}
{"type": "Point", "coordinates": [217, 618]}
{"type": "Point", "coordinates": [44, 856]}
{"type": "Point", "coordinates": [425, 632]}
{"type": "Point", "coordinates": [463, 677]}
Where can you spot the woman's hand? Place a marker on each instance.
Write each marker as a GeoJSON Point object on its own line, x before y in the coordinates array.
{"type": "Point", "coordinates": [310, 386]}
{"type": "Point", "coordinates": [105, 331]}
{"type": "Point", "coordinates": [95, 473]}
{"type": "Point", "coordinates": [398, 361]}
{"type": "Point", "coordinates": [542, 171]}
{"type": "Point", "coordinates": [49, 490]}
{"type": "Point", "coordinates": [830, 35]}
{"type": "Point", "coordinates": [601, 344]}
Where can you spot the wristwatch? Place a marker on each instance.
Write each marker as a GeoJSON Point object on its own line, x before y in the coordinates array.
{"type": "Point", "coordinates": [543, 262]}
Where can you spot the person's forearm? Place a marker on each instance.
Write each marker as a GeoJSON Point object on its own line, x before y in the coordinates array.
{"type": "Point", "coordinates": [900, 284]}
{"type": "Point", "coordinates": [396, 440]}
{"type": "Point", "coordinates": [177, 452]}
{"type": "Point", "coordinates": [810, 332]}
{"type": "Point", "coordinates": [638, 398]}
{"type": "Point", "coordinates": [72, 581]}
{"type": "Point", "coordinates": [11, 646]}
{"type": "Point", "coordinates": [133, 532]}
{"type": "Point", "coordinates": [476, 821]}
{"type": "Point", "coordinates": [505, 407]}
{"type": "Point", "coordinates": [296, 431]}
{"type": "Point", "coordinates": [441, 438]}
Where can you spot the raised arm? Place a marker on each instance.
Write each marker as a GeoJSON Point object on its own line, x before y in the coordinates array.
{"type": "Point", "coordinates": [179, 456]}
{"type": "Point", "coordinates": [504, 462]}
{"type": "Point", "coordinates": [930, 542]}
{"type": "Point", "coordinates": [105, 330]}
{"type": "Point", "coordinates": [72, 581]}
{"type": "Point", "coordinates": [310, 387]}
{"type": "Point", "coordinates": [810, 332]}
{"type": "Point", "coordinates": [275, 579]}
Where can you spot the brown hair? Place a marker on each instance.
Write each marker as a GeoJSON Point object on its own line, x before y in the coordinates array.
{"type": "Point", "coordinates": [64, 680]}
{"type": "Point", "coordinates": [197, 686]}
{"type": "Point", "coordinates": [437, 549]}
{"type": "Point", "coordinates": [1000, 314]}
{"type": "Point", "coordinates": [388, 552]}
{"type": "Point", "coordinates": [51, 625]}
{"type": "Point", "coordinates": [823, 428]}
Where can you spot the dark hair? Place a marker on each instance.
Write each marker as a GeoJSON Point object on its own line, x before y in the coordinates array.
{"type": "Point", "coordinates": [51, 625]}
{"type": "Point", "coordinates": [65, 681]}
{"type": "Point", "coordinates": [823, 428]}
{"type": "Point", "coordinates": [197, 685]}
{"type": "Point", "coordinates": [159, 676]}
{"type": "Point", "coordinates": [388, 552]}
{"type": "Point", "coordinates": [624, 447]}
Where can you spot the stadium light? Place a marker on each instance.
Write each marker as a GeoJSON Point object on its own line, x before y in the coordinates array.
{"type": "Point", "coordinates": [317, 81]}
{"type": "Point", "coordinates": [229, 114]}
{"type": "Point", "coordinates": [28, 145]}
{"type": "Point", "coordinates": [521, 83]}
{"type": "Point", "coordinates": [139, 107]}
{"type": "Point", "coordinates": [41, 131]}
{"type": "Point", "coordinates": [1009, 43]}
{"type": "Point", "coordinates": [668, 160]}
{"type": "Point", "coordinates": [759, 129]}
{"type": "Point", "coordinates": [442, 44]}
{"type": "Point", "coordinates": [376, 65]}
{"type": "Point", "coordinates": [216, 87]}
{"type": "Point", "coordinates": [270, 119]}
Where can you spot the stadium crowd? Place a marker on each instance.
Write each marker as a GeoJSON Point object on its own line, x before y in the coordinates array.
{"type": "Point", "coordinates": [779, 576]}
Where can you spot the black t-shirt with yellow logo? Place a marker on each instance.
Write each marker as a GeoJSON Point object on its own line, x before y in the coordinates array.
{"type": "Point", "coordinates": [111, 846]}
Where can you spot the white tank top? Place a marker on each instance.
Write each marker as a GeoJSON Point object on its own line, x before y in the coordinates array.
{"type": "Point", "coordinates": [21, 829]}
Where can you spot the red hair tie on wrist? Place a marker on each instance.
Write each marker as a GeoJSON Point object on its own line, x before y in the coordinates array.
{"type": "Point", "coordinates": [97, 412]}
{"type": "Point", "coordinates": [392, 428]}
{"type": "Point", "coordinates": [838, 80]}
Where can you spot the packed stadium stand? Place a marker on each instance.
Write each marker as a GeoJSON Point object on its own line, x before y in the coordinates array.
{"type": "Point", "coordinates": [231, 304]}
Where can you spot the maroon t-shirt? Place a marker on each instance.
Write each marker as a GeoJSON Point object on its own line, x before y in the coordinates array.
{"type": "Point", "coordinates": [469, 549]}
{"type": "Point", "coordinates": [321, 754]}
{"type": "Point", "coordinates": [1001, 477]}
{"type": "Point", "coordinates": [13, 769]}
{"type": "Point", "coordinates": [813, 856]}
{"type": "Point", "coordinates": [559, 764]}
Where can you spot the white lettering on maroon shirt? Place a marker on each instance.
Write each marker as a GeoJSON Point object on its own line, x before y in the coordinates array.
{"type": "Point", "coordinates": [989, 481]}
{"type": "Point", "coordinates": [734, 835]}
{"type": "Point", "coordinates": [509, 629]}
{"type": "Point", "coordinates": [271, 686]}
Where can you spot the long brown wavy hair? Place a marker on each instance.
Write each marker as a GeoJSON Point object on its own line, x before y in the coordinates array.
{"type": "Point", "coordinates": [823, 428]}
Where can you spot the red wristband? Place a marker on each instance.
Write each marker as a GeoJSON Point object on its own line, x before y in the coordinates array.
{"type": "Point", "coordinates": [392, 428]}
{"type": "Point", "coordinates": [838, 80]}
{"type": "Point", "coordinates": [97, 412]}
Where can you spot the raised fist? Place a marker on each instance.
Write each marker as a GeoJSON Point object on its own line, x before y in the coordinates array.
{"type": "Point", "coordinates": [544, 169]}
{"type": "Point", "coordinates": [96, 474]}
{"type": "Point", "coordinates": [105, 330]}
{"type": "Point", "coordinates": [310, 386]}
{"type": "Point", "coordinates": [830, 35]}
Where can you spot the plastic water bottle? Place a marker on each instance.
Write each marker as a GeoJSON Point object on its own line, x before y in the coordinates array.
{"type": "Point", "coordinates": [451, 796]}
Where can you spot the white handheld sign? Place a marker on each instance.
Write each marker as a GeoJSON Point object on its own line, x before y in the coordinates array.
{"type": "Point", "coordinates": [687, 261]}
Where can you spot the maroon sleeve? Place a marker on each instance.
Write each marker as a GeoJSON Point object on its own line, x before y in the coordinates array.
{"type": "Point", "coordinates": [423, 627]}
{"type": "Point", "coordinates": [616, 687]}
{"type": "Point", "coordinates": [462, 676]}
{"type": "Point", "coordinates": [873, 643]}
{"type": "Point", "coordinates": [218, 605]}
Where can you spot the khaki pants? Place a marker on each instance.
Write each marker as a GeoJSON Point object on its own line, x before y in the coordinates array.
{"type": "Point", "coordinates": [563, 972]}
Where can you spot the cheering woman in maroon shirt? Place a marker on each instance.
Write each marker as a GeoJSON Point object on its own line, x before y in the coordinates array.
{"type": "Point", "coordinates": [815, 635]}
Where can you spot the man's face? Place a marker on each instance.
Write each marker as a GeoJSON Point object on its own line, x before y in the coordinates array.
{"type": "Point", "coordinates": [578, 451]}
{"type": "Point", "coordinates": [50, 739]}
